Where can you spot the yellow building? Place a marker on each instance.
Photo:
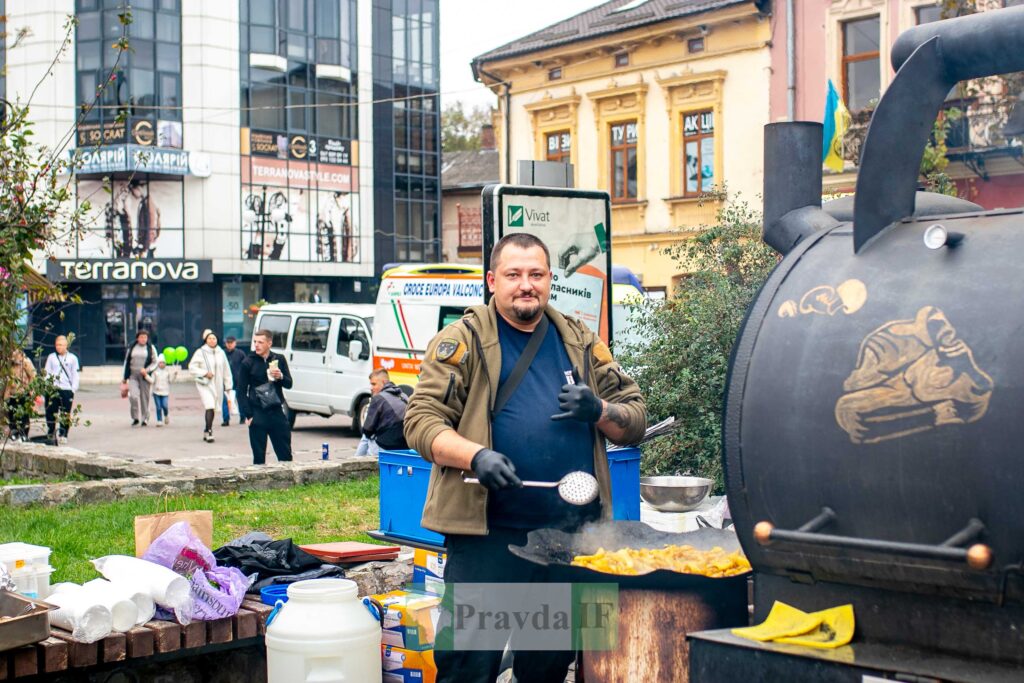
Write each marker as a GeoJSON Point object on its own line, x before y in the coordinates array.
{"type": "Point", "coordinates": [652, 100]}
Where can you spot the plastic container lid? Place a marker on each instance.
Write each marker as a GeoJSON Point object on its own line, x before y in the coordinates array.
{"type": "Point", "coordinates": [11, 552]}
{"type": "Point", "coordinates": [269, 595]}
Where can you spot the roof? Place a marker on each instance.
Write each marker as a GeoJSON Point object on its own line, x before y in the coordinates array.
{"type": "Point", "coordinates": [361, 310]}
{"type": "Point", "coordinates": [468, 170]}
{"type": "Point", "coordinates": [604, 20]}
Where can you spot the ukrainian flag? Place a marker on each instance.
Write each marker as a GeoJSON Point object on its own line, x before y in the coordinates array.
{"type": "Point", "coordinates": [837, 120]}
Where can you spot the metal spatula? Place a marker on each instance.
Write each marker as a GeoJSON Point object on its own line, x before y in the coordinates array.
{"type": "Point", "coordinates": [575, 488]}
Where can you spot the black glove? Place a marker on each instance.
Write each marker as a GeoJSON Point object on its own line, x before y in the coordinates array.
{"type": "Point", "coordinates": [577, 401]}
{"type": "Point", "coordinates": [495, 470]}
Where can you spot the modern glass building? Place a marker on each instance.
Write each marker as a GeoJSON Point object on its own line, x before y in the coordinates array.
{"type": "Point", "coordinates": [239, 151]}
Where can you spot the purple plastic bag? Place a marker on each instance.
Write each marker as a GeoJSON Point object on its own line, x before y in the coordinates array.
{"type": "Point", "coordinates": [217, 592]}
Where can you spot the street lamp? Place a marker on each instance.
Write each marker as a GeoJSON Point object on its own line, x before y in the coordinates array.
{"type": "Point", "coordinates": [256, 213]}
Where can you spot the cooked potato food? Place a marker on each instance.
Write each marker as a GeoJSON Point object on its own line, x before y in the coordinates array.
{"type": "Point", "coordinates": [686, 559]}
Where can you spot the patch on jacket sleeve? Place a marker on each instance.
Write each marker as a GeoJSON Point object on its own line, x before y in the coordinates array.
{"type": "Point", "coordinates": [602, 354]}
{"type": "Point", "coordinates": [450, 351]}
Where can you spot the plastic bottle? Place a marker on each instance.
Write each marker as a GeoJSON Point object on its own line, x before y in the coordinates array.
{"type": "Point", "coordinates": [323, 633]}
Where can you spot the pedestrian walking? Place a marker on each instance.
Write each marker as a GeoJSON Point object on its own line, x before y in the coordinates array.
{"type": "Point", "coordinates": [63, 367]}
{"type": "Point", "coordinates": [513, 389]}
{"type": "Point", "coordinates": [162, 392]}
{"type": "Point", "coordinates": [209, 366]}
{"type": "Point", "coordinates": [235, 357]}
{"type": "Point", "coordinates": [139, 361]}
{"type": "Point", "coordinates": [261, 383]}
{"type": "Point", "coordinates": [17, 398]}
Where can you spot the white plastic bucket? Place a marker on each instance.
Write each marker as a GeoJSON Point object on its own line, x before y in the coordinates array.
{"type": "Point", "coordinates": [323, 634]}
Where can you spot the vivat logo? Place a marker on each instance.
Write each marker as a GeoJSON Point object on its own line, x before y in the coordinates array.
{"type": "Point", "coordinates": [515, 216]}
{"type": "Point", "coordinates": [520, 217]}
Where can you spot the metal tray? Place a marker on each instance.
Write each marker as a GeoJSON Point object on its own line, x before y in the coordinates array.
{"type": "Point", "coordinates": [29, 623]}
{"type": "Point", "coordinates": [556, 549]}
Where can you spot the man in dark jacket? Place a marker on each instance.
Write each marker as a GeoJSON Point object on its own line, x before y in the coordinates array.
{"type": "Point", "coordinates": [386, 414]}
{"type": "Point", "coordinates": [235, 357]}
{"type": "Point", "coordinates": [260, 368]}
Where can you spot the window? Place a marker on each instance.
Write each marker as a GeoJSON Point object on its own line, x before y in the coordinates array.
{"type": "Point", "coordinates": [278, 325]}
{"type": "Point", "coordinates": [622, 59]}
{"type": "Point", "coordinates": [350, 330]}
{"type": "Point", "coordinates": [311, 334]}
{"type": "Point", "coordinates": [695, 45]}
{"type": "Point", "coordinates": [558, 146]}
{"type": "Point", "coordinates": [143, 82]}
{"type": "Point", "coordinates": [861, 63]}
{"type": "Point", "coordinates": [449, 315]}
{"type": "Point", "coordinates": [555, 73]}
{"type": "Point", "coordinates": [928, 14]}
{"type": "Point", "coordinates": [698, 152]}
{"type": "Point", "coordinates": [623, 160]}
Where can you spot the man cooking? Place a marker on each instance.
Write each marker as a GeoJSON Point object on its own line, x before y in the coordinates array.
{"type": "Point", "coordinates": [562, 405]}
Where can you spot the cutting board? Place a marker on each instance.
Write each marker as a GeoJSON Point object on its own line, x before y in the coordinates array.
{"type": "Point", "coordinates": [351, 551]}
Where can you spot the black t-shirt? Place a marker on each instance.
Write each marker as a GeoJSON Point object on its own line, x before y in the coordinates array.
{"type": "Point", "coordinates": [540, 448]}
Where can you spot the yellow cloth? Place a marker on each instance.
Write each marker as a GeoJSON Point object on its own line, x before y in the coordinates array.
{"type": "Point", "coordinates": [826, 629]}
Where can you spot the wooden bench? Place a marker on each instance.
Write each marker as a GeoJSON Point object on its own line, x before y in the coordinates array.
{"type": "Point", "coordinates": [61, 652]}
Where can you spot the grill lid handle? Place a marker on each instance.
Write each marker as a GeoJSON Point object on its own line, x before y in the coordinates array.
{"type": "Point", "coordinates": [978, 556]}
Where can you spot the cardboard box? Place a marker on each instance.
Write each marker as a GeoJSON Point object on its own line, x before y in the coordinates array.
{"type": "Point", "coordinates": [429, 561]}
{"type": "Point", "coordinates": [423, 580]}
{"type": "Point", "coordinates": [409, 619]}
{"type": "Point", "coordinates": [407, 665]}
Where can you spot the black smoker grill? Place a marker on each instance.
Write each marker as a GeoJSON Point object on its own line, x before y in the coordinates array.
{"type": "Point", "coordinates": [874, 424]}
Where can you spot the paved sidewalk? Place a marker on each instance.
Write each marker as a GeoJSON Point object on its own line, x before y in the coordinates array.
{"type": "Point", "coordinates": [181, 441]}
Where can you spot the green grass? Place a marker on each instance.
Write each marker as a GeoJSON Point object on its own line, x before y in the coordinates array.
{"type": "Point", "coordinates": [341, 511]}
{"type": "Point", "coordinates": [20, 481]}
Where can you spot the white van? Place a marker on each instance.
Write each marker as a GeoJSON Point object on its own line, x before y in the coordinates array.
{"type": "Point", "coordinates": [413, 304]}
{"type": "Point", "coordinates": [328, 348]}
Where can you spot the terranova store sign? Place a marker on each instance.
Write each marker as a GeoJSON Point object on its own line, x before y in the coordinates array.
{"type": "Point", "coordinates": [575, 226]}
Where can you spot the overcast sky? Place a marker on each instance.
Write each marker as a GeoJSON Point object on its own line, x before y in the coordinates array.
{"type": "Point", "coordinates": [472, 27]}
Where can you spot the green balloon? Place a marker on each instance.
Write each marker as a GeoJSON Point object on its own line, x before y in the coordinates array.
{"type": "Point", "coordinates": [168, 354]}
{"type": "Point", "coordinates": [180, 354]}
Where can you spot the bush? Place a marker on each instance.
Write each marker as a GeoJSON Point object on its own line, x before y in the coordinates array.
{"type": "Point", "coordinates": [682, 363]}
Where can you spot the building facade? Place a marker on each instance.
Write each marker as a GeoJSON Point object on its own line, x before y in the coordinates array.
{"type": "Point", "coordinates": [656, 102]}
{"type": "Point", "coordinates": [849, 41]}
{"type": "Point", "coordinates": [464, 175]}
{"type": "Point", "coordinates": [236, 152]}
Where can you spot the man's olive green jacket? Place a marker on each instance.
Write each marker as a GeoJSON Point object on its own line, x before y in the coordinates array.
{"type": "Point", "coordinates": [458, 382]}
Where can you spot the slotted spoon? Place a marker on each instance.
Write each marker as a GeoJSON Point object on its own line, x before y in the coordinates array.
{"type": "Point", "coordinates": [575, 488]}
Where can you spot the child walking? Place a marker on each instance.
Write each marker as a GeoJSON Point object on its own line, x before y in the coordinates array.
{"type": "Point", "coordinates": [162, 392]}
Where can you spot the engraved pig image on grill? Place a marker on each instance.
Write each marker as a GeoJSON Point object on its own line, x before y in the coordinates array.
{"type": "Point", "coordinates": [912, 376]}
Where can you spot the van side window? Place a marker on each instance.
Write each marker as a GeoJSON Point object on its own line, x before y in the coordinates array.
{"type": "Point", "coordinates": [311, 334]}
{"type": "Point", "coordinates": [278, 325]}
{"type": "Point", "coordinates": [449, 315]}
{"type": "Point", "coordinates": [352, 330]}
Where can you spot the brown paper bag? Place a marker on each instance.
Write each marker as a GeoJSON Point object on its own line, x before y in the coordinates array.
{"type": "Point", "coordinates": [149, 527]}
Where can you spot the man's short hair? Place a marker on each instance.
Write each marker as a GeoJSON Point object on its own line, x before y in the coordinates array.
{"type": "Point", "coordinates": [264, 333]}
{"type": "Point", "coordinates": [229, 339]}
{"type": "Point", "coordinates": [139, 333]}
{"type": "Point", "coordinates": [381, 372]}
{"type": "Point", "coordinates": [523, 240]}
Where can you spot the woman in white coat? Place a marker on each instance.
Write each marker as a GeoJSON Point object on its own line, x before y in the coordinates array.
{"type": "Point", "coordinates": [212, 373]}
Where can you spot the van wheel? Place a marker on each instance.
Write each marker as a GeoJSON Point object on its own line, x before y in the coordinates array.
{"type": "Point", "coordinates": [359, 414]}
{"type": "Point", "coordinates": [290, 415]}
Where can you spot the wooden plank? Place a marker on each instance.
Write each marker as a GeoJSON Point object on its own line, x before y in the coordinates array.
{"type": "Point", "coordinates": [24, 661]}
{"type": "Point", "coordinates": [79, 654]}
{"type": "Point", "coordinates": [261, 610]}
{"type": "Point", "coordinates": [53, 655]}
{"type": "Point", "coordinates": [114, 647]}
{"type": "Point", "coordinates": [166, 634]}
{"type": "Point", "coordinates": [193, 635]}
{"type": "Point", "coordinates": [246, 624]}
{"type": "Point", "coordinates": [140, 642]}
{"type": "Point", "coordinates": [219, 631]}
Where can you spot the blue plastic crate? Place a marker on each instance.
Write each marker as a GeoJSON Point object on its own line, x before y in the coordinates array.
{"type": "Point", "coordinates": [404, 477]}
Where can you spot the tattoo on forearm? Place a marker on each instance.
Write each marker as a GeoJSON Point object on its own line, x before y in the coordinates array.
{"type": "Point", "coordinates": [616, 414]}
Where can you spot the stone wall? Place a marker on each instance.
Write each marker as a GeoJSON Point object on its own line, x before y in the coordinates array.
{"type": "Point", "coordinates": [117, 479]}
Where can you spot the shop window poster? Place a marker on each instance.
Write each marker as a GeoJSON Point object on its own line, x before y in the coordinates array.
{"type": "Point", "coordinates": [134, 218]}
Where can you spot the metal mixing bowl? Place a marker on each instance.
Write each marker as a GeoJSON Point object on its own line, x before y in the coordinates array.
{"type": "Point", "coordinates": [674, 494]}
